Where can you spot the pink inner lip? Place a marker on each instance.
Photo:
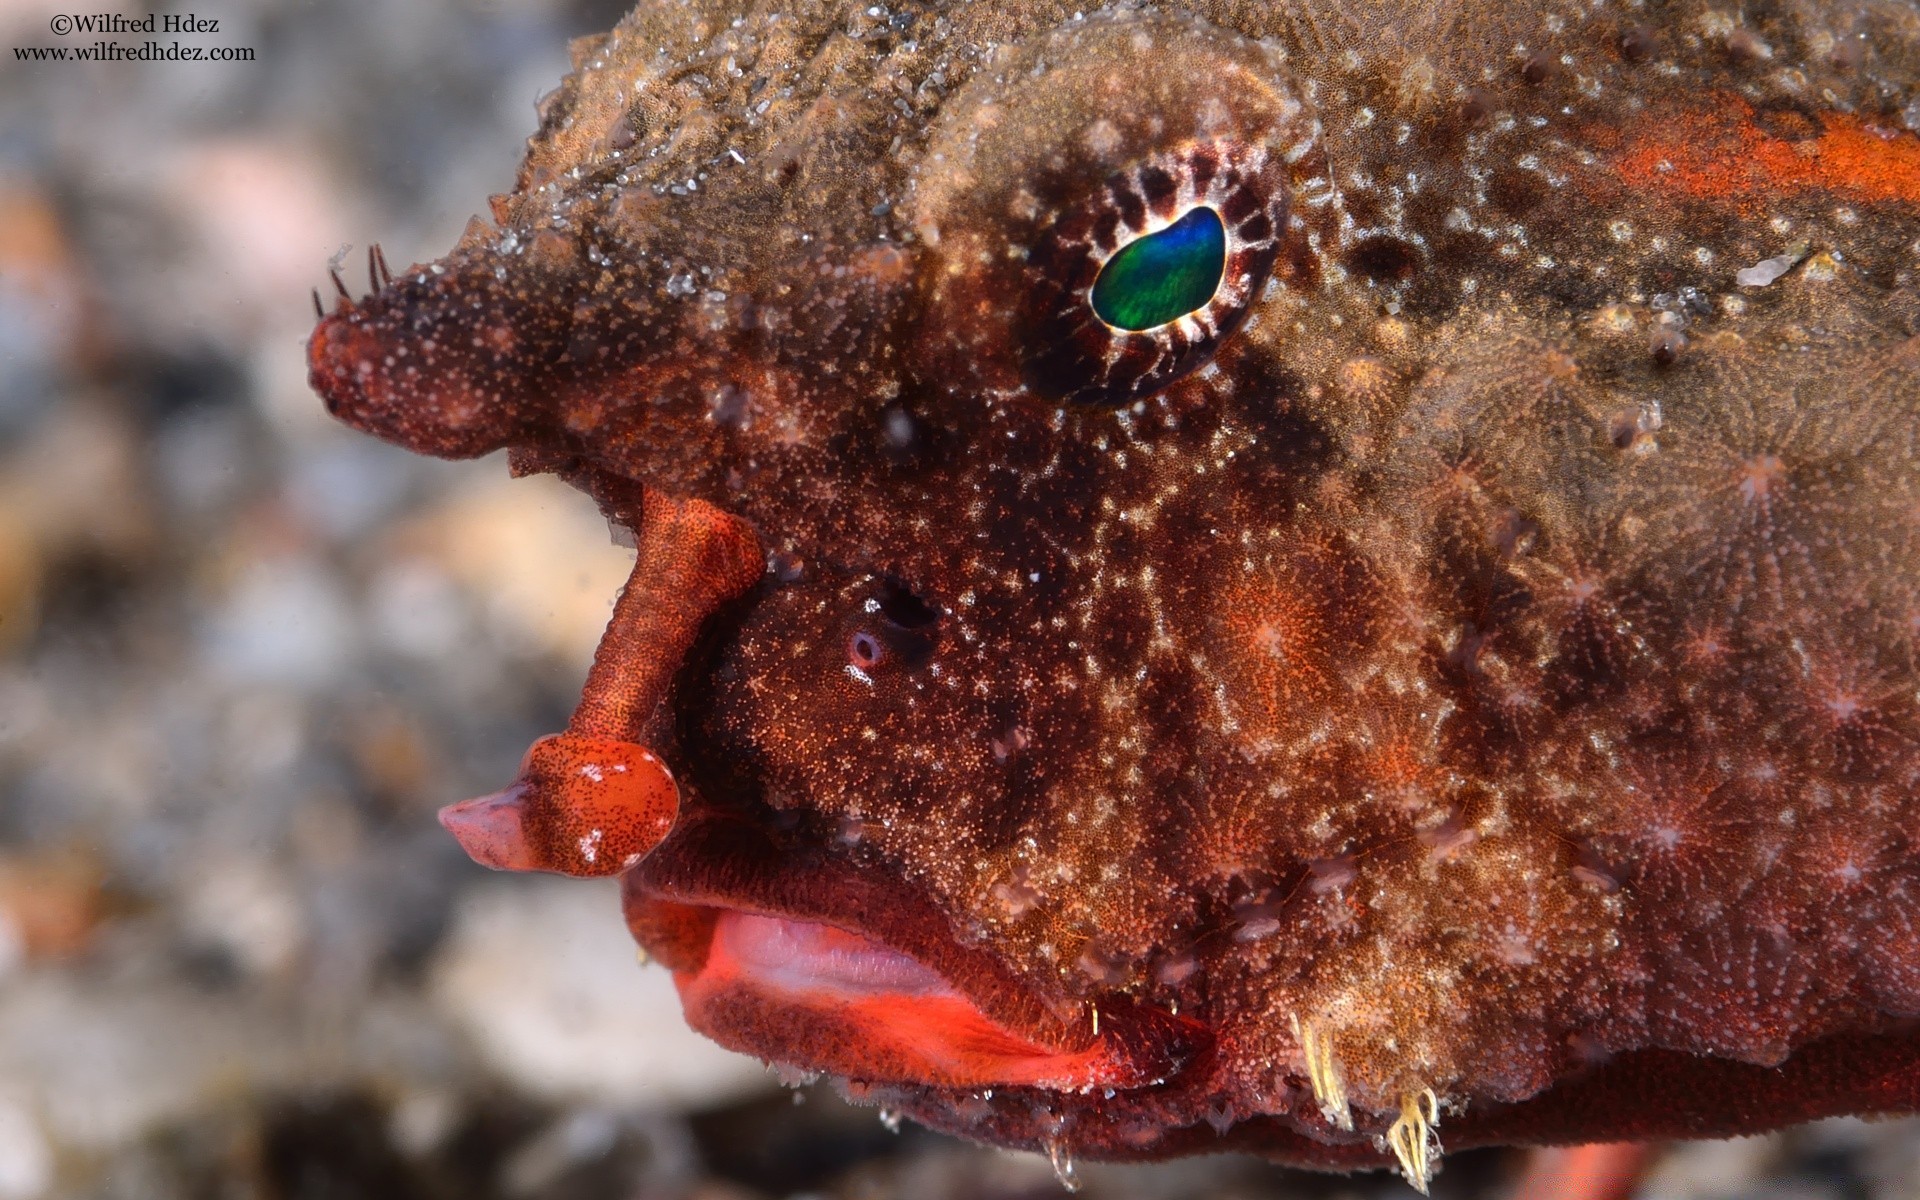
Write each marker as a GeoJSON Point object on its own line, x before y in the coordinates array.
{"type": "Point", "coordinates": [781, 955]}
{"type": "Point", "coordinates": [833, 1000]}
{"type": "Point", "coordinates": [806, 957]}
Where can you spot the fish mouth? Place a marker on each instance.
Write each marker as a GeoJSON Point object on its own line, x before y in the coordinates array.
{"type": "Point", "coordinates": [869, 1010]}
{"type": "Point", "coordinates": [787, 954]}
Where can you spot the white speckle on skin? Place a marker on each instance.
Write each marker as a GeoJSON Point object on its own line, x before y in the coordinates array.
{"type": "Point", "coordinates": [1765, 271]}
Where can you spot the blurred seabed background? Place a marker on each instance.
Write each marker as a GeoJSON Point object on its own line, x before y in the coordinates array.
{"type": "Point", "coordinates": [246, 653]}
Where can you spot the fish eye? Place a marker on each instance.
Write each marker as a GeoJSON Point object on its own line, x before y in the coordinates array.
{"type": "Point", "coordinates": [1088, 239]}
{"type": "Point", "coordinates": [1147, 276]}
{"type": "Point", "coordinates": [1160, 277]}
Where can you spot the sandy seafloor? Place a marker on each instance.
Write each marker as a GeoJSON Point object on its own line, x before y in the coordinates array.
{"type": "Point", "coordinates": [245, 654]}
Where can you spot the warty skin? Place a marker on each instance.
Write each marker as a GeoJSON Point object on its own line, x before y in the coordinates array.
{"type": "Point", "coordinates": [1466, 673]}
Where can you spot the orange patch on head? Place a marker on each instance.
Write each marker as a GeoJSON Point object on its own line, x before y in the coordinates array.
{"type": "Point", "coordinates": [1401, 765]}
{"type": "Point", "coordinates": [1759, 476]}
{"type": "Point", "coordinates": [1724, 151]}
{"type": "Point", "coordinates": [1285, 629]}
{"type": "Point", "coordinates": [1277, 644]}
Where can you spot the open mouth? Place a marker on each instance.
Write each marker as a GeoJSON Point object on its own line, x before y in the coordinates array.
{"type": "Point", "coordinates": [895, 1011]}
{"type": "Point", "coordinates": [778, 964]}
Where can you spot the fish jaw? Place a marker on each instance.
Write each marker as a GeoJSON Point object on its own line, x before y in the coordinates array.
{"type": "Point", "coordinates": [787, 954]}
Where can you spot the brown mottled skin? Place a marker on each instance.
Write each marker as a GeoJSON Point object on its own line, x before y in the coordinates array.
{"type": "Point", "coordinates": [1493, 664]}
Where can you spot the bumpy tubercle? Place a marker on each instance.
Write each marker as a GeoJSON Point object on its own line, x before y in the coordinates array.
{"type": "Point", "coordinates": [593, 801]}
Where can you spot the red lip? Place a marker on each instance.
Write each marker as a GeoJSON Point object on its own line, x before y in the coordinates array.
{"type": "Point", "coordinates": [780, 955]}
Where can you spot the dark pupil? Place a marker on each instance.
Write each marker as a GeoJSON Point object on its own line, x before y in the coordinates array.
{"type": "Point", "coordinates": [1163, 276]}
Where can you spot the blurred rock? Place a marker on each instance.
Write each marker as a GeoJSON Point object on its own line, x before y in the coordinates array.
{"type": "Point", "coordinates": [22, 572]}
{"type": "Point", "coordinates": [255, 215]}
{"type": "Point", "coordinates": [542, 975]}
{"type": "Point", "coordinates": [284, 620]}
{"type": "Point", "coordinates": [538, 557]}
{"type": "Point", "coordinates": [50, 908]}
{"type": "Point", "coordinates": [43, 314]}
{"type": "Point", "coordinates": [200, 460]}
{"type": "Point", "coordinates": [105, 1066]}
{"type": "Point", "coordinates": [26, 1160]}
{"type": "Point", "coordinates": [75, 488]}
{"type": "Point", "coordinates": [396, 758]}
{"type": "Point", "coordinates": [415, 609]}
{"type": "Point", "coordinates": [244, 910]}
{"type": "Point", "coordinates": [345, 486]}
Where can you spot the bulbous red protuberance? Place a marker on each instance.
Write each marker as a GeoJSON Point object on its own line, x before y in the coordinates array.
{"type": "Point", "coordinates": [593, 800]}
{"type": "Point", "coordinates": [581, 805]}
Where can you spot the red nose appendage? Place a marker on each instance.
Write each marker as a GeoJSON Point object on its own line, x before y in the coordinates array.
{"type": "Point", "coordinates": [593, 800]}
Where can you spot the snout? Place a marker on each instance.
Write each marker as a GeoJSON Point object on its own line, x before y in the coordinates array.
{"type": "Point", "coordinates": [449, 360]}
{"type": "Point", "coordinates": [399, 389]}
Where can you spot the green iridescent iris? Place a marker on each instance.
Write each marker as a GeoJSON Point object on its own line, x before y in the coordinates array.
{"type": "Point", "coordinates": [1163, 276]}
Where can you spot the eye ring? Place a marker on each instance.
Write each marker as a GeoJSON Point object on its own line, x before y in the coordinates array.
{"type": "Point", "coordinates": [1079, 356]}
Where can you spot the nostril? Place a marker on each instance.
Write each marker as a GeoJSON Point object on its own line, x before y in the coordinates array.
{"type": "Point", "coordinates": [903, 608]}
{"type": "Point", "coordinates": [904, 636]}
{"type": "Point", "coordinates": [865, 651]}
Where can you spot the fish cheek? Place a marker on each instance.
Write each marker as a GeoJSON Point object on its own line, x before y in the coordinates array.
{"type": "Point", "coordinates": [837, 699]}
